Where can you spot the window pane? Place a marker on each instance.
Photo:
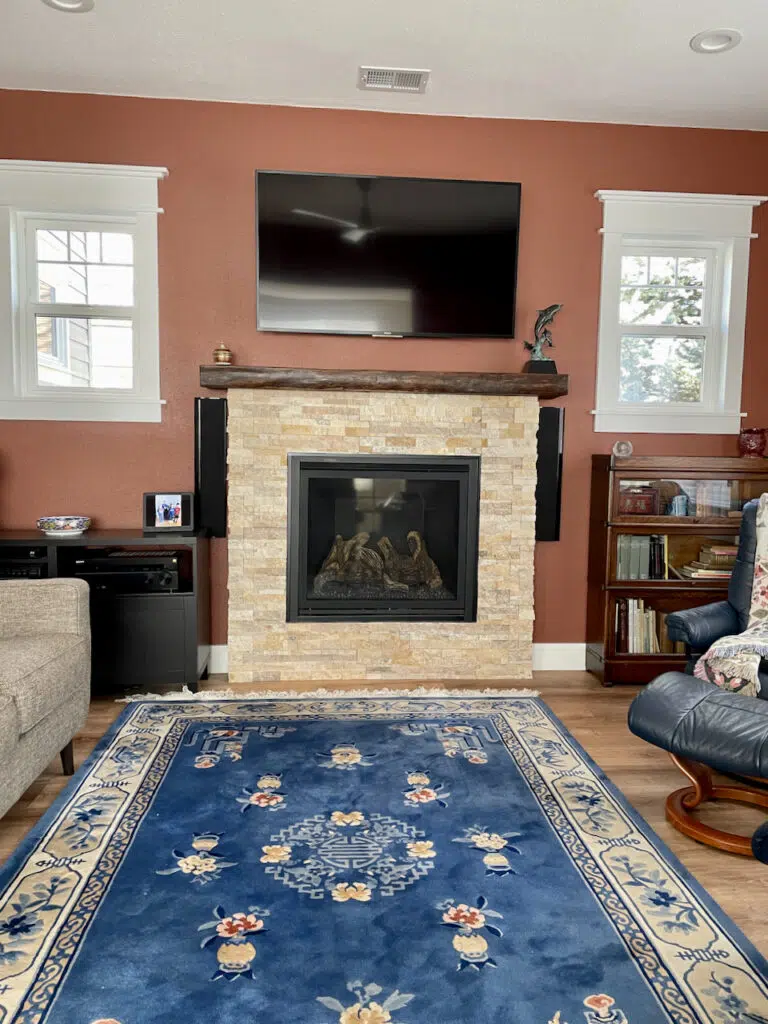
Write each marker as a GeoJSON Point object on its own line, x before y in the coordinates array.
{"type": "Point", "coordinates": [691, 270]}
{"type": "Point", "coordinates": [661, 305]}
{"type": "Point", "coordinates": [661, 369]}
{"type": "Point", "coordinates": [117, 248]}
{"type": "Point", "coordinates": [662, 289]}
{"type": "Point", "coordinates": [52, 245]}
{"type": "Point", "coordinates": [79, 267]}
{"type": "Point", "coordinates": [91, 352]}
{"type": "Point", "coordinates": [634, 270]}
{"type": "Point", "coordinates": [662, 270]}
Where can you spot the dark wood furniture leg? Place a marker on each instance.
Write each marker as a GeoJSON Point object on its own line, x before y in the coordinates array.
{"type": "Point", "coordinates": [68, 759]}
{"type": "Point", "coordinates": [683, 801]}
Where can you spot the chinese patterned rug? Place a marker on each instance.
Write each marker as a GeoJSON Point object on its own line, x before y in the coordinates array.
{"type": "Point", "coordinates": [358, 860]}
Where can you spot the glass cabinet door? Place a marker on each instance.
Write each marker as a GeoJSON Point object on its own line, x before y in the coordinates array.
{"type": "Point", "coordinates": [676, 556]}
{"type": "Point", "coordinates": [685, 500]}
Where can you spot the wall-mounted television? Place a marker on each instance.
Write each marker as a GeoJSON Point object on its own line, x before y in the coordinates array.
{"type": "Point", "coordinates": [399, 257]}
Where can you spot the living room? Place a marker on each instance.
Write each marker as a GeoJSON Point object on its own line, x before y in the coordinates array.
{"type": "Point", "coordinates": [618, 129]}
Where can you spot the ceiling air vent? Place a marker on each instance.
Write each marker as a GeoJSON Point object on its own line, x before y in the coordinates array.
{"type": "Point", "coordinates": [393, 79]}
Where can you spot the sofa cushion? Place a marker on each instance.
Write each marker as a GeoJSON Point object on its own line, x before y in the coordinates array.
{"type": "Point", "coordinates": [40, 672]}
{"type": "Point", "coordinates": [9, 728]}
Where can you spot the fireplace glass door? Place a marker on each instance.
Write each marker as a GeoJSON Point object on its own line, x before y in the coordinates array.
{"type": "Point", "coordinates": [382, 537]}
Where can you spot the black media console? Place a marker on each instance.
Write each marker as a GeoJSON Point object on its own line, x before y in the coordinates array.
{"type": "Point", "coordinates": [150, 600]}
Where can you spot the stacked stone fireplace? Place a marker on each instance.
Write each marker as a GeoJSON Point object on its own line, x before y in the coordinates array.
{"type": "Point", "coordinates": [429, 578]}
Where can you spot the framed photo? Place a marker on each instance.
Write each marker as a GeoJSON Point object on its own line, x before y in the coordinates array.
{"type": "Point", "coordinates": [169, 512]}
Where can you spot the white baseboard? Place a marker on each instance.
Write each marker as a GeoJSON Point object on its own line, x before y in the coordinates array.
{"type": "Point", "coordinates": [559, 657]}
{"type": "Point", "coordinates": [546, 658]}
{"type": "Point", "coordinates": [218, 662]}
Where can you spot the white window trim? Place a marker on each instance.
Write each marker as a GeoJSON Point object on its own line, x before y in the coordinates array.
{"type": "Point", "coordinates": [119, 196]}
{"type": "Point", "coordinates": [721, 224]}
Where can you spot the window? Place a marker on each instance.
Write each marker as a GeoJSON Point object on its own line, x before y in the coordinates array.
{"type": "Point", "coordinates": [672, 312]}
{"type": "Point", "coordinates": [80, 299]}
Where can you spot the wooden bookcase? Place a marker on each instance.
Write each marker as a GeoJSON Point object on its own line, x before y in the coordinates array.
{"type": "Point", "coordinates": [636, 497]}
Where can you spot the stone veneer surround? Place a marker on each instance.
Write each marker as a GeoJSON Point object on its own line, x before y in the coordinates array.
{"type": "Point", "coordinates": [265, 425]}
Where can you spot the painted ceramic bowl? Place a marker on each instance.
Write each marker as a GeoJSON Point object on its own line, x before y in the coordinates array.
{"type": "Point", "coordinates": [63, 526]}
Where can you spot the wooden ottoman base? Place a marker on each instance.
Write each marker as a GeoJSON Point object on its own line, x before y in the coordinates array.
{"type": "Point", "coordinates": [683, 801]}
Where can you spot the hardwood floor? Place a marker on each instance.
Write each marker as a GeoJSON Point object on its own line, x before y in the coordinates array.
{"type": "Point", "coordinates": [597, 718]}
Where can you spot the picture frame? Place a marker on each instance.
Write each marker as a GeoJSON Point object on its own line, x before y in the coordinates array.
{"type": "Point", "coordinates": [168, 511]}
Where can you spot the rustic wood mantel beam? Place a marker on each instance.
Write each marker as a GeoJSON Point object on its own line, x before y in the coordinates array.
{"type": "Point", "coordinates": [537, 385]}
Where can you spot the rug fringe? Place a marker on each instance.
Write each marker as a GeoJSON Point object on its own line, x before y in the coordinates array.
{"type": "Point", "coordinates": [419, 691]}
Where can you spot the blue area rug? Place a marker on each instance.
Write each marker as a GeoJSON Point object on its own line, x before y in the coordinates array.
{"type": "Point", "coordinates": [386, 860]}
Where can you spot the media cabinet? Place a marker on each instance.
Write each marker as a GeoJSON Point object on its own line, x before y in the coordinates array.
{"type": "Point", "coordinates": [141, 639]}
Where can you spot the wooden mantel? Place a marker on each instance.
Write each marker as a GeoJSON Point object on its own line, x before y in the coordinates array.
{"type": "Point", "coordinates": [537, 385]}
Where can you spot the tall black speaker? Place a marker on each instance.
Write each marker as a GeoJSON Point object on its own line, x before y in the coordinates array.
{"type": "Point", "coordinates": [549, 472]}
{"type": "Point", "coordinates": [211, 465]}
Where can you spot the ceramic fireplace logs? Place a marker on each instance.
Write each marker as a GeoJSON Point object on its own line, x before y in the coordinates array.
{"type": "Point", "coordinates": [418, 568]}
{"type": "Point", "coordinates": [350, 561]}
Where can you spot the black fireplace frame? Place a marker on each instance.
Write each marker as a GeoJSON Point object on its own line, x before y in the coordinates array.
{"type": "Point", "coordinates": [303, 466]}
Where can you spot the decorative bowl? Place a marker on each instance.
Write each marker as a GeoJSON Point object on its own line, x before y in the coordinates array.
{"type": "Point", "coordinates": [63, 526]}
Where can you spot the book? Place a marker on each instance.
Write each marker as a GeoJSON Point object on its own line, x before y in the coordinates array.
{"type": "Point", "coordinates": [622, 630]}
{"type": "Point", "coordinates": [634, 557]}
{"type": "Point", "coordinates": [727, 550]}
{"type": "Point", "coordinates": [725, 567]}
{"type": "Point", "coordinates": [685, 572]}
{"type": "Point", "coordinates": [639, 625]}
{"type": "Point", "coordinates": [653, 647]}
{"type": "Point", "coordinates": [707, 558]}
{"type": "Point", "coordinates": [644, 558]}
{"type": "Point", "coordinates": [658, 557]}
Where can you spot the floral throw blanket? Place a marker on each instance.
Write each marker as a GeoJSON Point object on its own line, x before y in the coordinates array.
{"type": "Point", "coordinates": [732, 662]}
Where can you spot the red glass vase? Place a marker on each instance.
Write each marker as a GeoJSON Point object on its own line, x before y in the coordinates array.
{"type": "Point", "coordinates": [752, 442]}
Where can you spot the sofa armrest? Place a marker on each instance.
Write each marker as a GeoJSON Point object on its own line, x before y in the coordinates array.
{"type": "Point", "coordinates": [31, 607]}
{"type": "Point", "coordinates": [700, 627]}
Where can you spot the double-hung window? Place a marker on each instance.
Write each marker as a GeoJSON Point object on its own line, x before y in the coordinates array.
{"type": "Point", "coordinates": [78, 292]}
{"type": "Point", "coordinates": [672, 312]}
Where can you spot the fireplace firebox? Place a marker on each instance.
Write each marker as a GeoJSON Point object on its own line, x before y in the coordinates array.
{"type": "Point", "coordinates": [382, 538]}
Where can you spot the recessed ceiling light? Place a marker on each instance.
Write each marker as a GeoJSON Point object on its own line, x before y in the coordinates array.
{"type": "Point", "coordinates": [71, 6]}
{"type": "Point", "coordinates": [715, 40]}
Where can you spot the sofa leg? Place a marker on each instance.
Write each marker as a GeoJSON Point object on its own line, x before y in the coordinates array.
{"type": "Point", "coordinates": [68, 759]}
{"type": "Point", "coordinates": [683, 801]}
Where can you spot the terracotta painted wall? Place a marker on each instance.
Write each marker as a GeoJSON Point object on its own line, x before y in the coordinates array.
{"type": "Point", "coordinates": [207, 281]}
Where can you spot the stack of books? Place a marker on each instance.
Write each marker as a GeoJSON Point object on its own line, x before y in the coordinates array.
{"type": "Point", "coordinates": [715, 562]}
{"type": "Point", "coordinates": [642, 630]}
{"type": "Point", "coordinates": [641, 557]}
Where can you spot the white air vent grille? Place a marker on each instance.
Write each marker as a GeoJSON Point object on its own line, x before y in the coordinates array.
{"type": "Point", "coordinates": [393, 79]}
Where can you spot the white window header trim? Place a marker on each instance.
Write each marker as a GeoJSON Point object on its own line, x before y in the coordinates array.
{"type": "Point", "coordinates": [106, 189]}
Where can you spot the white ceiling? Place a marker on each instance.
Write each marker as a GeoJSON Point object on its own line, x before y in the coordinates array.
{"type": "Point", "coordinates": [581, 60]}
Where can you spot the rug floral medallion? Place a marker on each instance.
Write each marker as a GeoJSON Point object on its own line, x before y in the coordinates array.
{"type": "Point", "coordinates": [378, 860]}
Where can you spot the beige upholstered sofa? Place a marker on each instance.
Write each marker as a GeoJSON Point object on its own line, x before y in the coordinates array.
{"type": "Point", "coordinates": [45, 668]}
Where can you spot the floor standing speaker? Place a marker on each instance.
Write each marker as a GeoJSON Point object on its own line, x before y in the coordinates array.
{"type": "Point", "coordinates": [211, 465]}
{"type": "Point", "coordinates": [549, 472]}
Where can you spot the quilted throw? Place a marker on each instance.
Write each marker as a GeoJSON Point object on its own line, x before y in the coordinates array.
{"type": "Point", "coordinates": [732, 662]}
{"type": "Point", "coordinates": [358, 860]}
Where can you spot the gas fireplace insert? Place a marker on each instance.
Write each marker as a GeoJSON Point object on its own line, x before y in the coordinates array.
{"type": "Point", "coordinates": [382, 537]}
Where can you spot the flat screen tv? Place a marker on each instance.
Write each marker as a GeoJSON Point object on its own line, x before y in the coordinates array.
{"type": "Point", "coordinates": [398, 257]}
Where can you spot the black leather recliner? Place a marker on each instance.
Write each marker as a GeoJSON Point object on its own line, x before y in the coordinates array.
{"type": "Point", "coordinates": [704, 727]}
{"type": "Point", "coordinates": [698, 628]}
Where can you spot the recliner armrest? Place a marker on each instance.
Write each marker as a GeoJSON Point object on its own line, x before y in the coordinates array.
{"type": "Point", "coordinates": [700, 627]}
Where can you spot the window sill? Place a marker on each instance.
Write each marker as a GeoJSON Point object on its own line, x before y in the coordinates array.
{"type": "Point", "coordinates": [660, 421]}
{"type": "Point", "coordinates": [93, 409]}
